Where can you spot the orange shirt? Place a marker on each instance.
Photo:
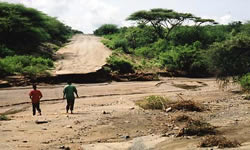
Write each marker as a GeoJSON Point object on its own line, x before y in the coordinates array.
{"type": "Point", "coordinates": [35, 96]}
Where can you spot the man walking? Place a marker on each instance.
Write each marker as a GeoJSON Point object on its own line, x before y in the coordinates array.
{"type": "Point", "coordinates": [35, 96]}
{"type": "Point", "coordinates": [68, 93]}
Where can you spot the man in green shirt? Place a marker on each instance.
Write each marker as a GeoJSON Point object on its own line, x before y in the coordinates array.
{"type": "Point", "coordinates": [68, 93]}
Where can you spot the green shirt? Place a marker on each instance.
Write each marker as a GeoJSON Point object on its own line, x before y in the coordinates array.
{"type": "Point", "coordinates": [69, 92]}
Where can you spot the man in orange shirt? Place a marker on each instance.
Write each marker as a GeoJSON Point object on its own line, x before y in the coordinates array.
{"type": "Point", "coordinates": [35, 96]}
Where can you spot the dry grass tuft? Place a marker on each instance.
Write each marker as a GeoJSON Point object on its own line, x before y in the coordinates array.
{"type": "Point", "coordinates": [4, 118]}
{"type": "Point", "coordinates": [153, 102]}
{"type": "Point", "coordinates": [219, 141]}
{"type": "Point", "coordinates": [159, 102]}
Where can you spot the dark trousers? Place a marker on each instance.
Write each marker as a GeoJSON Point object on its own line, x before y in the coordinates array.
{"type": "Point", "coordinates": [70, 104]}
{"type": "Point", "coordinates": [36, 106]}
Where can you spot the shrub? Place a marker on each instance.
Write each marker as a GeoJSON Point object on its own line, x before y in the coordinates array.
{"type": "Point", "coordinates": [152, 50]}
{"type": "Point", "coordinates": [185, 58]}
{"type": "Point", "coordinates": [4, 51]}
{"type": "Point", "coordinates": [187, 105]}
{"type": "Point", "coordinates": [245, 82]}
{"type": "Point", "coordinates": [140, 36]}
{"type": "Point", "coordinates": [3, 69]}
{"type": "Point", "coordinates": [197, 127]}
{"type": "Point", "coordinates": [4, 118]}
{"type": "Point", "coordinates": [26, 65]}
{"type": "Point", "coordinates": [106, 29]}
{"type": "Point", "coordinates": [121, 43]}
{"type": "Point", "coordinates": [119, 64]}
{"type": "Point", "coordinates": [231, 57]}
{"type": "Point", "coordinates": [108, 43]}
{"type": "Point", "coordinates": [145, 52]}
{"type": "Point", "coordinates": [220, 141]}
{"type": "Point", "coordinates": [153, 102]}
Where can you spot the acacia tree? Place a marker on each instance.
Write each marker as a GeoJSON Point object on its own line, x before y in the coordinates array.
{"type": "Point", "coordinates": [164, 20]}
{"type": "Point", "coordinates": [198, 21]}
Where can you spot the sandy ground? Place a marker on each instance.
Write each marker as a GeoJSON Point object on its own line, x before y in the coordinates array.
{"type": "Point", "coordinates": [106, 117]}
{"type": "Point", "coordinates": [84, 54]}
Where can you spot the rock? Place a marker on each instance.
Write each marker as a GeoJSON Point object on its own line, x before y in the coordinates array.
{"type": "Point", "coordinates": [131, 108]}
{"type": "Point", "coordinates": [44, 128]}
{"type": "Point", "coordinates": [69, 126]}
{"type": "Point", "coordinates": [169, 109]}
{"type": "Point", "coordinates": [25, 141]}
{"type": "Point", "coordinates": [167, 134]}
{"type": "Point", "coordinates": [62, 147]}
{"type": "Point", "coordinates": [41, 121]}
{"type": "Point", "coordinates": [126, 121]}
{"type": "Point", "coordinates": [125, 137]}
{"type": "Point", "coordinates": [46, 142]}
{"type": "Point", "coordinates": [104, 112]}
{"type": "Point", "coordinates": [176, 128]}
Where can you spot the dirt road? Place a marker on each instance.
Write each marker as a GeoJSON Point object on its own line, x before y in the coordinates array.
{"type": "Point", "coordinates": [84, 54]}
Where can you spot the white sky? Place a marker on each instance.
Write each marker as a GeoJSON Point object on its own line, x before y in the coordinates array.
{"type": "Point", "coordinates": [88, 15]}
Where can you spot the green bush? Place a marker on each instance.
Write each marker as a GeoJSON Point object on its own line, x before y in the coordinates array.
{"type": "Point", "coordinates": [106, 29]}
{"type": "Point", "coordinates": [245, 82]}
{"type": "Point", "coordinates": [26, 65]}
{"type": "Point", "coordinates": [152, 50]}
{"type": "Point", "coordinates": [185, 58]}
{"type": "Point", "coordinates": [153, 102]}
{"type": "Point", "coordinates": [231, 57]}
{"type": "Point", "coordinates": [4, 118]}
{"type": "Point", "coordinates": [140, 36]}
{"type": "Point", "coordinates": [121, 43]}
{"type": "Point", "coordinates": [119, 64]}
{"type": "Point", "coordinates": [146, 52]}
{"type": "Point", "coordinates": [4, 51]}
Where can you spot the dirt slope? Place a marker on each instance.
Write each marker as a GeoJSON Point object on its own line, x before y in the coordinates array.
{"type": "Point", "coordinates": [84, 54]}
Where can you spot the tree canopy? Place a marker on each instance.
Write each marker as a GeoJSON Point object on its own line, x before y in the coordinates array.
{"type": "Point", "coordinates": [162, 19]}
{"type": "Point", "coordinates": [23, 29]}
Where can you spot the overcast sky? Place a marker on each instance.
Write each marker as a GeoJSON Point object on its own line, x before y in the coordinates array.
{"type": "Point", "coordinates": [87, 15]}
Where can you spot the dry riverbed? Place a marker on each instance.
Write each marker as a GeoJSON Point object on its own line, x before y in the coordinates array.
{"type": "Point", "coordinates": [106, 116]}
